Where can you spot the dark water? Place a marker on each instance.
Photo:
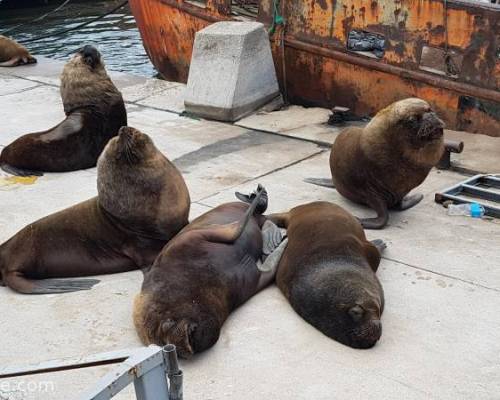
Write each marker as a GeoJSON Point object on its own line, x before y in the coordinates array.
{"type": "Point", "coordinates": [116, 35]}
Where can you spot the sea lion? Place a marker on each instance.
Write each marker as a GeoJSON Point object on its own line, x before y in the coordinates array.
{"type": "Point", "coordinates": [94, 110]}
{"type": "Point", "coordinates": [378, 165]}
{"type": "Point", "coordinates": [13, 54]}
{"type": "Point", "coordinates": [327, 273]}
{"type": "Point", "coordinates": [201, 275]}
{"type": "Point", "coordinates": [142, 203]}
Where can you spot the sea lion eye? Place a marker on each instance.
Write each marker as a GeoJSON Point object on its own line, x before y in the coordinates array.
{"type": "Point", "coordinates": [356, 313]}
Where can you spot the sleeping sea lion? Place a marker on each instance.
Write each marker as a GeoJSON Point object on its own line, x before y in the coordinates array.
{"type": "Point", "coordinates": [94, 110]}
{"type": "Point", "coordinates": [142, 203]}
{"type": "Point", "coordinates": [378, 165]}
{"type": "Point", "coordinates": [327, 273]}
{"type": "Point", "coordinates": [205, 272]}
{"type": "Point", "coordinates": [13, 54]}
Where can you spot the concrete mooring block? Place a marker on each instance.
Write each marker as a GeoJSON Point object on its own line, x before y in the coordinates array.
{"type": "Point", "coordinates": [232, 71]}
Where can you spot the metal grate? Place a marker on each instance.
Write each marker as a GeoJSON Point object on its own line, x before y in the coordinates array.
{"type": "Point", "coordinates": [481, 189]}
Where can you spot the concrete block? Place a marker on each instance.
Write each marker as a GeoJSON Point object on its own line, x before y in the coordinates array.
{"type": "Point", "coordinates": [232, 71]}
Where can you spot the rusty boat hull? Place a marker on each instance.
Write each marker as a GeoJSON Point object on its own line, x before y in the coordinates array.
{"type": "Point", "coordinates": [446, 52]}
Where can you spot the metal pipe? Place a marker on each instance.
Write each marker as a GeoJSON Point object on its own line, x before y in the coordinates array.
{"type": "Point", "coordinates": [174, 374]}
{"type": "Point", "coordinates": [436, 81]}
{"type": "Point", "coordinates": [453, 146]}
{"type": "Point", "coordinates": [195, 11]}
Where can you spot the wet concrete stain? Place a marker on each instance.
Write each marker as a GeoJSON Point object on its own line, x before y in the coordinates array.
{"type": "Point", "coordinates": [223, 147]}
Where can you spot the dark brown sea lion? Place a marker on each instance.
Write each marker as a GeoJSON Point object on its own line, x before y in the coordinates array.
{"type": "Point", "coordinates": [142, 203]}
{"type": "Point", "coordinates": [94, 113]}
{"type": "Point", "coordinates": [13, 54]}
{"type": "Point", "coordinates": [378, 165]}
{"type": "Point", "coordinates": [327, 273]}
{"type": "Point", "coordinates": [201, 275]}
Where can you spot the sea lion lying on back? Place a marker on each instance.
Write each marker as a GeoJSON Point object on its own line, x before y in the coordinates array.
{"type": "Point", "coordinates": [327, 273]}
{"type": "Point", "coordinates": [94, 110]}
{"type": "Point", "coordinates": [204, 273]}
{"type": "Point", "coordinates": [13, 54]}
{"type": "Point", "coordinates": [142, 203]}
{"type": "Point", "coordinates": [378, 165]}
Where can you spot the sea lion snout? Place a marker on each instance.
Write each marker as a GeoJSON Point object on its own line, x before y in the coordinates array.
{"type": "Point", "coordinates": [189, 335]}
{"type": "Point", "coordinates": [90, 55]}
{"type": "Point", "coordinates": [431, 126]}
{"type": "Point", "coordinates": [131, 143]}
{"type": "Point", "coordinates": [367, 335]}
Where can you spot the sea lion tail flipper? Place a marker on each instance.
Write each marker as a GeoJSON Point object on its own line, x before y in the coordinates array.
{"type": "Point", "coordinates": [409, 202]}
{"type": "Point", "coordinates": [19, 171]}
{"type": "Point", "coordinates": [248, 198]}
{"type": "Point", "coordinates": [20, 284]}
{"type": "Point", "coordinates": [228, 233]}
{"type": "Point", "coordinates": [321, 182]}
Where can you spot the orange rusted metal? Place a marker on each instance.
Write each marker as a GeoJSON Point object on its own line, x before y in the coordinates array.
{"type": "Point", "coordinates": [444, 51]}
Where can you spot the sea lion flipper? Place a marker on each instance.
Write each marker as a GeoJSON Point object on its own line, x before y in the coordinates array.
{"type": "Point", "coordinates": [228, 233]}
{"type": "Point", "coordinates": [272, 236]}
{"type": "Point", "coordinates": [373, 252]}
{"type": "Point", "coordinates": [380, 221]}
{"type": "Point", "coordinates": [47, 286]}
{"type": "Point", "coordinates": [321, 182]}
{"type": "Point", "coordinates": [12, 62]}
{"type": "Point", "coordinates": [270, 266]}
{"type": "Point", "coordinates": [248, 198]}
{"type": "Point", "coordinates": [379, 244]}
{"type": "Point", "coordinates": [19, 171]}
{"type": "Point", "coordinates": [409, 201]}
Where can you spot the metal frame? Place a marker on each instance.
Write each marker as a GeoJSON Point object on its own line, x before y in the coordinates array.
{"type": "Point", "coordinates": [153, 370]}
{"type": "Point", "coordinates": [471, 187]}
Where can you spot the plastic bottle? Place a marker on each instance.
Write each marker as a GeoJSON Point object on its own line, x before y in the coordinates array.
{"type": "Point", "coordinates": [473, 210]}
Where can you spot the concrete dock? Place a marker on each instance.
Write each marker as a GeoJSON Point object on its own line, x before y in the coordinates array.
{"type": "Point", "coordinates": [441, 274]}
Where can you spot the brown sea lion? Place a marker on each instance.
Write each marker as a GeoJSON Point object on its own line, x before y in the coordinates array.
{"type": "Point", "coordinates": [201, 275]}
{"type": "Point", "coordinates": [327, 273]}
{"type": "Point", "coordinates": [142, 203]}
{"type": "Point", "coordinates": [95, 111]}
{"type": "Point", "coordinates": [13, 54]}
{"type": "Point", "coordinates": [378, 165]}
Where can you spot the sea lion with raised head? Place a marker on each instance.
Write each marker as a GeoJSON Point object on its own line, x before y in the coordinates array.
{"type": "Point", "coordinates": [13, 54]}
{"type": "Point", "coordinates": [142, 203]}
{"type": "Point", "coordinates": [205, 272]}
{"type": "Point", "coordinates": [327, 273]}
{"type": "Point", "coordinates": [94, 110]}
{"type": "Point", "coordinates": [378, 165]}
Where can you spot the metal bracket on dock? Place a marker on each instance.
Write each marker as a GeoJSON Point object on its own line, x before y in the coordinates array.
{"type": "Point", "coordinates": [450, 146]}
{"type": "Point", "coordinates": [473, 190]}
{"type": "Point", "coordinates": [153, 370]}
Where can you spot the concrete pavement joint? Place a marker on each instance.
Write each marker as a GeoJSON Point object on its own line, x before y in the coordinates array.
{"type": "Point", "coordinates": [20, 91]}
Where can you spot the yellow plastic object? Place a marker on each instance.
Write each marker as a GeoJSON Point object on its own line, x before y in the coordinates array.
{"type": "Point", "coordinates": [21, 180]}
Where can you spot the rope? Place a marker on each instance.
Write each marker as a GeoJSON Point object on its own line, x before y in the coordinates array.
{"type": "Point", "coordinates": [36, 19]}
{"type": "Point", "coordinates": [123, 4]}
{"type": "Point", "coordinates": [277, 18]}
